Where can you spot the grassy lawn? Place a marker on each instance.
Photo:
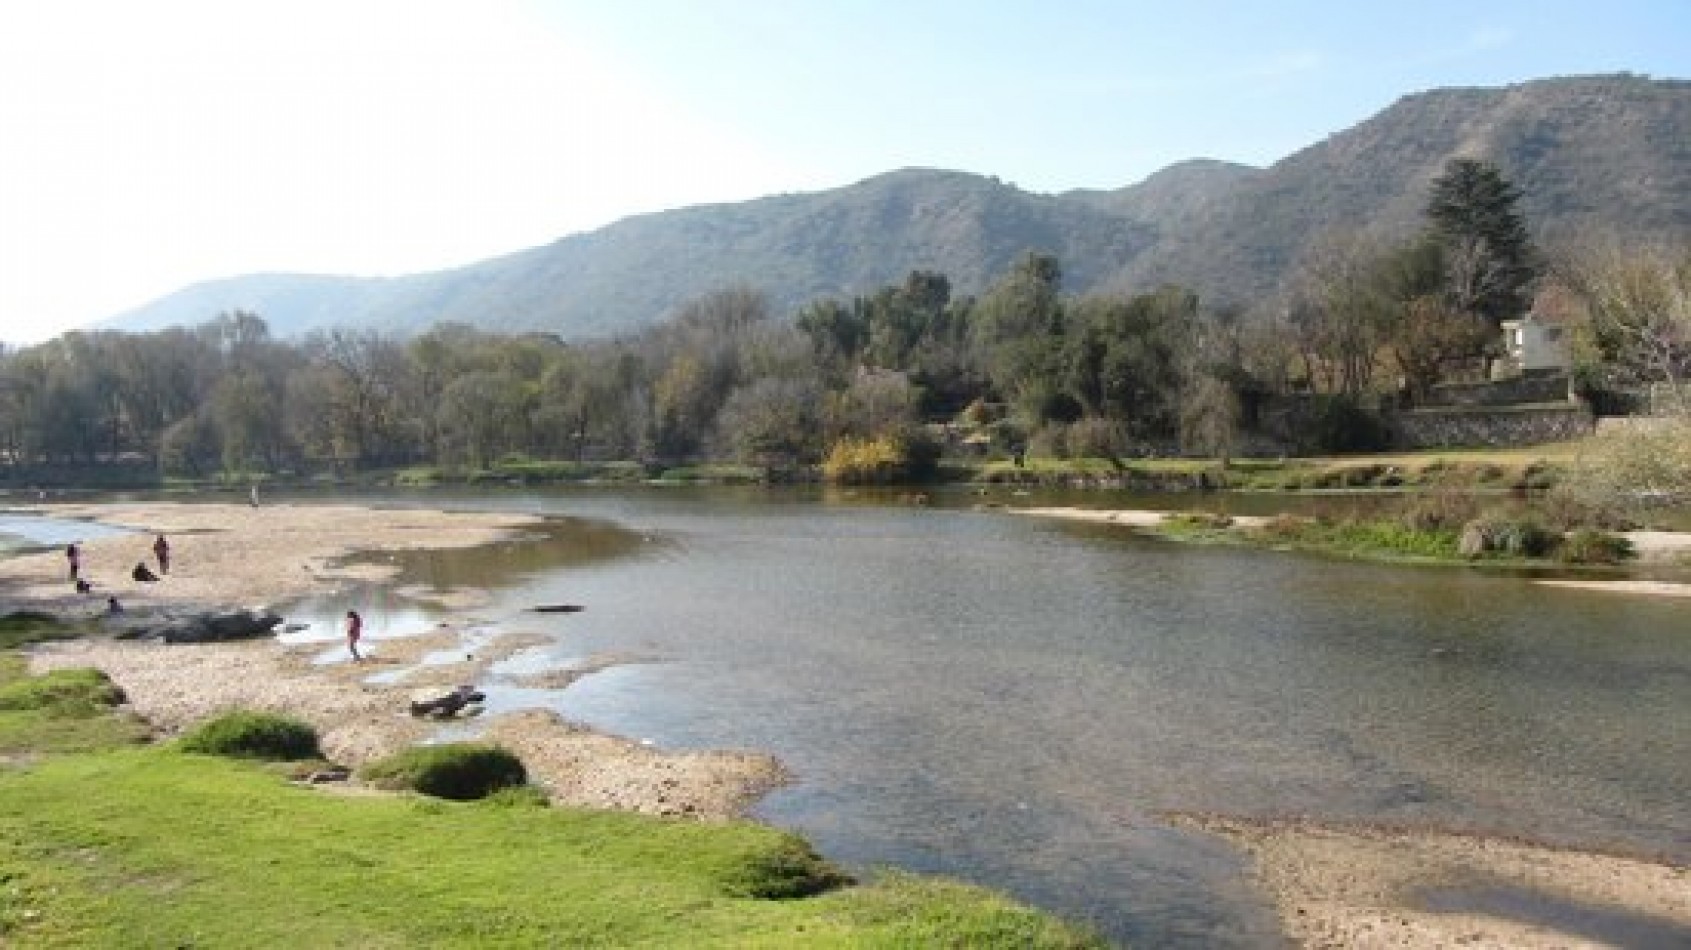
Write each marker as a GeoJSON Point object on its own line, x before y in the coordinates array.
{"type": "Point", "coordinates": [115, 845]}
{"type": "Point", "coordinates": [150, 847]}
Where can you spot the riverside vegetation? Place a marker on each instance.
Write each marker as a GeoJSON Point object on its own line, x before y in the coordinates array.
{"type": "Point", "coordinates": [94, 850]}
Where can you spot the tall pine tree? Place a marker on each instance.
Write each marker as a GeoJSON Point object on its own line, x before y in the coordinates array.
{"type": "Point", "coordinates": [1473, 214]}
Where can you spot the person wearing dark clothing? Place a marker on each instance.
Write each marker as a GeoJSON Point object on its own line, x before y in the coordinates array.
{"type": "Point", "coordinates": [142, 574]}
{"type": "Point", "coordinates": [354, 630]}
{"type": "Point", "coordinates": [74, 556]}
{"type": "Point", "coordinates": [161, 550]}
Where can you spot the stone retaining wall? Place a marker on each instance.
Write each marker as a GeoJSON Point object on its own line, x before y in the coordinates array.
{"type": "Point", "coordinates": [1528, 388]}
{"type": "Point", "coordinates": [1512, 425]}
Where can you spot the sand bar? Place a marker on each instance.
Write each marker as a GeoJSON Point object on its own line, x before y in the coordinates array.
{"type": "Point", "coordinates": [228, 555]}
{"type": "Point", "coordinates": [1367, 887]}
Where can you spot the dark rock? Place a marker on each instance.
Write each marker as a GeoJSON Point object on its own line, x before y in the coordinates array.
{"type": "Point", "coordinates": [213, 627]}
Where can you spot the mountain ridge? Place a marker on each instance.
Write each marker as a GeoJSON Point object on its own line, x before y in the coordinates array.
{"type": "Point", "coordinates": [1591, 154]}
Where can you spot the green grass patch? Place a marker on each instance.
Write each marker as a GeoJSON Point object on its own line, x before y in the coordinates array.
{"type": "Point", "coordinates": [253, 735]}
{"type": "Point", "coordinates": [76, 692]}
{"type": "Point", "coordinates": [1377, 538]}
{"type": "Point", "coordinates": [461, 771]}
{"type": "Point", "coordinates": [62, 711]}
{"type": "Point", "coordinates": [714, 474]}
{"type": "Point", "coordinates": [23, 627]}
{"type": "Point", "coordinates": [269, 864]}
{"type": "Point", "coordinates": [1195, 526]}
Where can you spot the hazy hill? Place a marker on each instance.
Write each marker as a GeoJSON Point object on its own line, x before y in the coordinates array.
{"type": "Point", "coordinates": [1592, 154]}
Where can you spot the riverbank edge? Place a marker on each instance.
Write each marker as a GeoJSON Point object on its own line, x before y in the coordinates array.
{"type": "Point", "coordinates": [1652, 547]}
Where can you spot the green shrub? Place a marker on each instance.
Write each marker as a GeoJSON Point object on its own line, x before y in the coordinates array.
{"type": "Point", "coordinates": [1510, 537]}
{"type": "Point", "coordinates": [253, 735]}
{"type": "Point", "coordinates": [1565, 510]}
{"type": "Point", "coordinates": [1441, 509]}
{"type": "Point", "coordinates": [1590, 546]}
{"type": "Point", "coordinates": [787, 869]}
{"type": "Point", "coordinates": [1392, 537]}
{"type": "Point", "coordinates": [461, 771]}
{"type": "Point", "coordinates": [65, 693]}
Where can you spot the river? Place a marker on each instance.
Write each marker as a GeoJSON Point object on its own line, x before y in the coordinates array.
{"type": "Point", "coordinates": [1016, 701]}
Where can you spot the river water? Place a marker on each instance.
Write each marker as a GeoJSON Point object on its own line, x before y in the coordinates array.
{"type": "Point", "coordinates": [1017, 702]}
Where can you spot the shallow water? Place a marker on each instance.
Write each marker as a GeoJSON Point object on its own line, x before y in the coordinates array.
{"type": "Point", "coordinates": [1015, 701]}
{"type": "Point", "coordinates": [20, 530]}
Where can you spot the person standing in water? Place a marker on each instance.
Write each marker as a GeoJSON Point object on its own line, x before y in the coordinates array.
{"type": "Point", "coordinates": [354, 630]}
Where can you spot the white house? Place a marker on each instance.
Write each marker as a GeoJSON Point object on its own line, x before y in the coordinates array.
{"type": "Point", "coordinates": [1539, 340]}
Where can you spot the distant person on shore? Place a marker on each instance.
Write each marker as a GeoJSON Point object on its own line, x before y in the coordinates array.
{"type": "Point", "coordinates": [354, 631]}
{"type": "Point", "coordinates": [82, 585]}
{"type": "Point", "coordinates": [112, 606]}
{"type": "Point", "coordinates": [161, 550]}
{"type": "Point", "coordinates": [74, 556]}
{"type": "Point", "coordinates": [252, 495]}
{"type": "Point", "coordinates": [142, 574]}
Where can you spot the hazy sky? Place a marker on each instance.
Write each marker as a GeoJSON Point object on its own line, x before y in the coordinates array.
{"type": "Point", "coordinates": [148, 145]}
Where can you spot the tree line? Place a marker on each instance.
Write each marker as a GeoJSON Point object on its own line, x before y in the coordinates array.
{"type": "Point", "coordinates": [725, 378]}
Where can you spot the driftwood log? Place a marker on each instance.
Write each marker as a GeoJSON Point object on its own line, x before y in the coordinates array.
{"type": "Point", "coordinates": [449, 704]}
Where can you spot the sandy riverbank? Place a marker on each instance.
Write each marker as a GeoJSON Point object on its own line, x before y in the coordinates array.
{"type": "Point", "coordinates": [1366, 888]}
{"type": "Point", "coordinates": [239, 555]}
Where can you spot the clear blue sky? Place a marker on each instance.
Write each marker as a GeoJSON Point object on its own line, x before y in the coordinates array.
{"type": "Point", "coordinates": [145, 146]}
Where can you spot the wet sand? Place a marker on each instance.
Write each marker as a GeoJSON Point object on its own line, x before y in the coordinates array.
{"type": "Point", "coordinates": [237, 555]}
{"type": "Point", "coordinates": [1370, 887]}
